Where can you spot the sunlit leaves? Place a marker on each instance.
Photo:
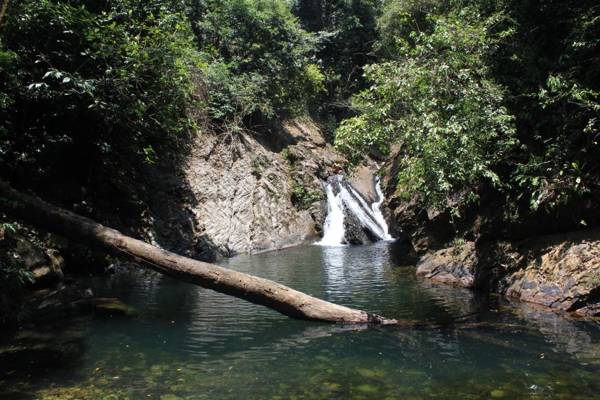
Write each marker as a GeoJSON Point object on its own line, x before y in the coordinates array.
{"type": "Point", "coordinates": [436, 99]}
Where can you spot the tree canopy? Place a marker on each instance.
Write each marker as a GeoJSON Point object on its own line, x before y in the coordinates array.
{"type": "Point", "coordinates": [484, 93]}
{"type": "Point", "coordinates": [475, 93]}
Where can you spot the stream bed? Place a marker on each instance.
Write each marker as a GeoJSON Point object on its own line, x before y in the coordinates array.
{"type": "Point", "coordinates": [185, 342]}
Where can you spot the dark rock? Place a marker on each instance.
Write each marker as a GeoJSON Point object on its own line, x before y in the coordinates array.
{"type": "Point", "coordinates": [54, 304]}
{"type": "Point", "coordinates": [355, 234]}
{"type": "Point", "coordinates": [557, 271]}
{"type": "Point", "coordinates": [29, 254]}
{"type": "Point", "coordinates": [455, 265]}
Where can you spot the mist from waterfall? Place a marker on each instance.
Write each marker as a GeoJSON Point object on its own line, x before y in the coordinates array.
{"type": "Point", "coordinates": [348, 199]}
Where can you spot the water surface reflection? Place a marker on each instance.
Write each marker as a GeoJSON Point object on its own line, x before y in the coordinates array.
{"type": "Point", "coordinates": [191, 343]}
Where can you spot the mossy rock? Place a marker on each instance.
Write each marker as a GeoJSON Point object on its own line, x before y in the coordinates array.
{"type": "Point", "coordinates": [370, 373]}
{"type": "Point", "coordinates": [366, 389]}
{"type": "Point", "coordinates": [113, 307]}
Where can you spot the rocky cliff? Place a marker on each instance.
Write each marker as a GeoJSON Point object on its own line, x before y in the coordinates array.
{"type": "Point", "coordinates": [222, 195]}
{"type": "Point", "coordinates": [259, 193]}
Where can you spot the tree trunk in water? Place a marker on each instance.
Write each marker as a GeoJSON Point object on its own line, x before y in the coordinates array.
{"type": "Point", "coordinates": [281, 298]}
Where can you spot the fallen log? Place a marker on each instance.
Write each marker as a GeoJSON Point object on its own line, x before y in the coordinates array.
{"type": "Point", "coordinates": [257, 290]}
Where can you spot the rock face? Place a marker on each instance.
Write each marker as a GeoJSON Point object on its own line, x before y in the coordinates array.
{"type": "Point", "coordinates": [254, 193]}
{"type": "Point", "coordinates": [560, 272]}
{"type": "Point", "coordinates": [557, 271]}
{"type": "Point", "coordinates": [362, 178]}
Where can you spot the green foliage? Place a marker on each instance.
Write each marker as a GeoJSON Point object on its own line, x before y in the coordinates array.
{"type": "Point", "coordinates": [345, 31]}
{"type": "Point", "coordinates": [257, 60]}
{"type": "Point", "coordinates": [399, 19]}
{"type": "Point", "coordinates": [91, 88]}
{"type": "Point", "coordinates": [485, 92]}
{"type": "Point", "coordinates": [289, 156]}
{"type": "Point", "coordinates": [302, 197]}
{"type": "Point", "coordinates": [438, 101]}
{"type": "Point", "coordinates": [259, 164]}
{"type": "Point", "coordinates": [551, 69]}
{"type": "Point", "coordinates": [13, 275]}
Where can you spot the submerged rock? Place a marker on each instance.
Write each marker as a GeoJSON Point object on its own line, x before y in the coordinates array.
{"type": "Point", "coordinates": [112, 307]}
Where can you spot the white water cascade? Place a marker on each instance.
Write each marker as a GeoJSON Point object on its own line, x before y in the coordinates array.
{"type": "Point", "coordinates": [333, 230]}
{"type": "Point", "coordinates": [376, 207]}
{"type": "Point", "coordinates": [348, 200]}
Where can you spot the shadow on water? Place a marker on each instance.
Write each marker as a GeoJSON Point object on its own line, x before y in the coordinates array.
{"type": "Point", "coordinates": [187, 342]}
{"type": "Point", "coordinates": [40, 354]}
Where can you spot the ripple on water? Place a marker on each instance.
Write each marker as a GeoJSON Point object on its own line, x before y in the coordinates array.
{"type": "Point", "coordinates": [191, 343]}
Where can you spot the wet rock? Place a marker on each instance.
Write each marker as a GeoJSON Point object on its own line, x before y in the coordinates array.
{"type": "Point", "coordinates": [318, 213]}
{"type": "Point", "coordinates": [356, 231]}
{"type": "Point", "coordinates": [560, 271]}
{"type": "Point", "coordinates": [455, 265]}
{"type": "Point", "coordinates": [112, 307]}
{"type": "Point", "coordinates": [557, 271]}
{"type": "Point", "coordinates": [355, 234]}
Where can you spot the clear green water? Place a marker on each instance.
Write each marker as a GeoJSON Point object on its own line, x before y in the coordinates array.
{"type": "Point", "coordinates": [191, 343]}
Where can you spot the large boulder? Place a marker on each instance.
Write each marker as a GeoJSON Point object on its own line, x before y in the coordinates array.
{"type": "Point", "coordinates": [455, 265]}
{"type": "Point", "coordinates": [562, 272]}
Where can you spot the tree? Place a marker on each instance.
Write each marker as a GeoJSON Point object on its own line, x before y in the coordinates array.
{"type": "Point", "coordinates": [345, 32]}
{"type": "Point", "coordinates": [121, 69]}
{"type": "Point", "coordinates": [257, 61]}
{"type": "Point", "coordinates": [438, 99]}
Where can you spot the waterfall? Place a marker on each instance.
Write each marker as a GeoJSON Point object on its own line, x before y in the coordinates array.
{"type": "Point", "coordinates": [333, 230]}
{"type": "Point", "coordinates": [343, 198]}
{"type": "Point", "coordinates": [376, 207]}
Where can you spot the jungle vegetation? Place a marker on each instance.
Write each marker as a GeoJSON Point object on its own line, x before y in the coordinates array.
{"type": "Point", "coordinates": [469, 96]}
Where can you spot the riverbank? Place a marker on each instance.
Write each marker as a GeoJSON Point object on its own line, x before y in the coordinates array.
{"type": "Point", "coordinates": [549, 259]}
{"type": "Point", "coordinates": [560, 271]}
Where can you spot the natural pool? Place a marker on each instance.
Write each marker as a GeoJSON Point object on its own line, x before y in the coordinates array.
{"type": "Point", "coordinates": [190, 343]}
